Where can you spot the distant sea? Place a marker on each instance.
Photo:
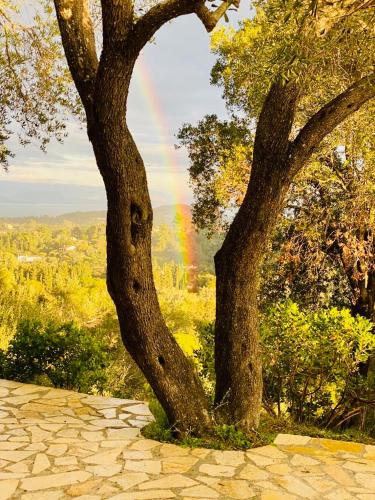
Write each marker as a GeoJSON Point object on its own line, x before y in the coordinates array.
{"type": "Point", "coordinates": [19, 199]}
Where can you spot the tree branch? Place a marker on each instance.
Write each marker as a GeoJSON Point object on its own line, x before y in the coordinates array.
{"type": "Point", "coordinates": [211, 18]}
{"type": "Point", "coordinates": [329, 117]}
{"type": "Point", "coordinates": [275, 123]}
{"type": "Point", "coordinates": [78, 39]}
{"type": "Point", "coordinates": [162, 13]}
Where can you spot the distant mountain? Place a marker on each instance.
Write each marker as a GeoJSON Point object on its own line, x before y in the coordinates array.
{"type": "Point", "coordinates": [162, 215]}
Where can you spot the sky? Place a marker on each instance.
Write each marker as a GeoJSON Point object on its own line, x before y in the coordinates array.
{"type": "Point", "coordinates": [171, 86]}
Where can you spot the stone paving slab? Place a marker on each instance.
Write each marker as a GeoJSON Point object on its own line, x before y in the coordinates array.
{"type": "Point", "coordinates": [57, 444]}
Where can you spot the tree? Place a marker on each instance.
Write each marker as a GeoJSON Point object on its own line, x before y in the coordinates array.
{"type": "Point", "coordinates": [321, 251]}
{"type": "Point", "coordinates": [103, 88]}
{"type": "Point", "coordinates": [36, 88]}
{"type": "Point", "coordinates": [297, 87]}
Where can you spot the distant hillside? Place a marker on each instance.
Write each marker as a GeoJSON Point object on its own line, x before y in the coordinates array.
{"type": "Point", "coordinates": [166, 240]}
{"type": "Point", "coordinates": [162, 215]}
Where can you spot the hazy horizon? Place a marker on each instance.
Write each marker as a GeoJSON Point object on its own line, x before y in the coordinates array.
{"type": "Point", "coordinates": [66, 178]}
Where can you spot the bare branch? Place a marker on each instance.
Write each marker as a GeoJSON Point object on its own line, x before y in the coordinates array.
{"type": "Point", "coordinates": [162, 13]}
{"type": "Point", "coordinates": [329, 117]}
{"type": "Point", "coordinates": [211, 18]}
{"type": "Point", "coordinates": [78, 39]}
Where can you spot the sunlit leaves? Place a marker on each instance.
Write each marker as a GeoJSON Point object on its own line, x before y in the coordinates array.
{"type": "Point", "coordinates": [281, 43]}
{"type": "Point", "coordinates": [36, 87]}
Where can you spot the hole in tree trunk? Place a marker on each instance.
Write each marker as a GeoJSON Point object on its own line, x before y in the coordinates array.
{"type": "Point", "coordinates": [136, 286]}
{"type": "Point", "coordinates": [136, 222]}
{"type": "Point", "coordinates": [161, 361]}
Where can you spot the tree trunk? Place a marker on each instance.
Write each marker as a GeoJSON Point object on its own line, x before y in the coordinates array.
{"type": "Point", "coordinates": [129, 266]}
{"type": "Point", "coordinates": [238, 361]}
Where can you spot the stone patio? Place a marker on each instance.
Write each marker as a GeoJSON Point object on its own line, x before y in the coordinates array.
{"type": "Point", "coordinates": [57, 444]}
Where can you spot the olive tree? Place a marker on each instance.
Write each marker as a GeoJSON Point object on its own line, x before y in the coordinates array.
{"type": "Point", "coordinates": [103, 84]}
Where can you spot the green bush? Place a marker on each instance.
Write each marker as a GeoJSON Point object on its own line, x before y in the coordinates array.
{"type": "Point", "coordinates": [205, 355]}
{"type": "Point", "coordinates": [69, 356]}
{"type": "Point", "coordinates": [312, 361]}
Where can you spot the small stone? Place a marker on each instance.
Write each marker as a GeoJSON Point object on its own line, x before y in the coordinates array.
{"type": "Point", "coordinates": [233, 458]}
{"type": "Point", "coordinates": [43, 495]}
{"type": "Point", "coordinates": [67, 433]}
{"type": "Point", "coordinates": [124, 433]}
{"type": "Point", "coordinates": [340, 446]}
{"type": "Point", "coordinates": [93, 436]}
{"type": "Point", "coordinates": [114, 443]}
{"type": "Point", "coordinates": [173, 481]}
{"type": "Point", "coordinates": [338, 474]}
{"type": "Point", "coordinates": [89, 497]}
{"type": "Point", "coordinates": [108, 412]}
{"type": "Point", "coordinates": [339, 494]}
{"type": "Point", "coordinates": [233, 488]}
{"type": "Point", "coordinates": [36, 447]}
{"type": "Point", "coordinates": [15, 456]}
{"type": "Point", "coordinates": [365, 466]}
{"type": "Point", "coordinates": [19, 439]}
{"type": "Point", "coordinates": [57, 450]}
{"type": "Point", "coordinates": [171, 450]}
{"type": "Point", "coordinates": [366, 480]}
{"type": "Point", "coordinates": [275, 495]}
{"type": "Point", "coordinates": [200, 491]}
{"type": "Point", "coordinates": [261, 460]}
{"type": "Point", "coordinates": [144, 495]}
{"type": "Point", "coordinates": [18, 467]}
{"type": "Point", "coordinates": [321, 485]}
{"type": "Point", "coordinates": [279, 469]}
{"type": "Point", "coordinates": [4, 445]}
{"type": "Point", "coordinates": [126, 481]}
{"type": "Point", "coordinates": [144, 445]}
{"type": "Point", "coordinates": [270, 451]}
{"type": "Point", "coordinates": [178, 464]}
{"type": "Point", "coordinates": [104, 470]}
{"type": "Point", "coordinates": [106, 422]}
{"type": "Point", "coordinates": [104, 458]}
{"type": "Point", "coordinates": [28, 389]}
{"type": "Point", "coordinates": [200, 452]}
{"type": "Point", "coordinates": [38, 435]}
{"type": "Point", "coordinates": [54, 480]}
{"type": "Point", "coordinates": [300, 460]}
{"type": "Point", "coordinates": [369, 452]}
{"type": "Point", "coordinates": [83, 488]}
{"type": "Point", "coordinates": [288, 439]}
{"type": "Point", "coordinates": [295, 486]}
{"type": "Point", "coordinates": [7, 488]}
{"type": "Point", "coordinates": [217, 470]}
{"type": "Point", "coordinates": [138, 409]}
{"type": "Point", "coordinates": [137, 455]}
{"type": "Point", "coordinates": [66, 461]}
{"type": "Point", "coordinates": [148, 466]}
{"type": "Point", "coordinates": [253, 473]}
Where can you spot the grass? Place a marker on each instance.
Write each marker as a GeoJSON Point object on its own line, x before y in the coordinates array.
{"type": "Point", "coordinates": [227, 437]}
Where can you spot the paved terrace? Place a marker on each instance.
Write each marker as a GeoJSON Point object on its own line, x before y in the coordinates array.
{"type": "Point", "coordinates": [57, 444]}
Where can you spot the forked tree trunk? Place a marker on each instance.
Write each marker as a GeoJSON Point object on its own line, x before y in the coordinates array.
{"type": "Point", "coordinates": [129, 267]}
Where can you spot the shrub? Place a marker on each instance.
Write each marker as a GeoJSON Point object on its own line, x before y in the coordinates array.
{"type": "Point", "coordinates": [312, 361]}
{"type": "Point", "coordinates": [69, 356]}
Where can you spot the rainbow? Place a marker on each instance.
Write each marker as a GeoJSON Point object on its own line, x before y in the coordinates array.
{"type": "Point", "coordinates": [186, 233]}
